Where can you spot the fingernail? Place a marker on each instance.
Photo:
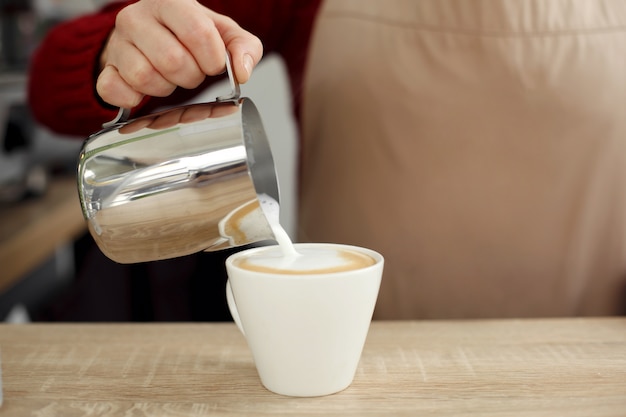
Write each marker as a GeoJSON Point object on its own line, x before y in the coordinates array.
{"type": "Point", "coordinates": [248, 63]}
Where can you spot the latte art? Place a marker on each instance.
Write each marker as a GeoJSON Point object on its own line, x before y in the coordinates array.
{"type": "Point", "coordinates": [284, 258]}
{"type": "Point", "coordinates": [308, 261]}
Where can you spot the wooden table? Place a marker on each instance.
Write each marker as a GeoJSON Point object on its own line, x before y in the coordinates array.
{"type": "Point", "coordinates": [30, 231]}
{"type": "Point", "coordinates": [556, 367]}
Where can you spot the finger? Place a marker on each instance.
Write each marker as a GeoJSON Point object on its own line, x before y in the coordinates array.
{"type": "Point", "coordinates": [136, 125]}
{"type": "Point", "coordinates": [167, 56]}
{"type": "Point", "coordinates": [245, 48]}
{"type": "Point", "coordinates": [138, 72]}
{"type": "Point", "coordinates": [196, 113]}
{"type": "Point", "coordinates": [113, 90]}
{"type": "Point", "coordinates": [196, 32]}
{"type": "Point", "coordinates": [206, 35]}
{"type": "Point", "coordinates": [167, 119]}
{"type": "Point", "coordinates": [244, 60]}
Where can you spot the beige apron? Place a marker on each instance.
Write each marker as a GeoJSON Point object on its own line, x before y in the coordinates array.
{"type": "Point", "coordinates": [479, 145]}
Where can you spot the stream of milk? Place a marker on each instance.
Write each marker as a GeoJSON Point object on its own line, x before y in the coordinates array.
{"type": "Point", "coordinates": [271, 209]}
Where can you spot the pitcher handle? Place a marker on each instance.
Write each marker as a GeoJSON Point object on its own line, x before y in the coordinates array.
{"type": "Point", "coordinates": [121, 117]}
{"type": "Point", "coordinates": [235, 90]}
{"type": "Point", "coordinates": [123, 114]}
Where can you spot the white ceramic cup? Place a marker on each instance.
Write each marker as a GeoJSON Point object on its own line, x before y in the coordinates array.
{"type": "Point", "coordinates": [306, 332]}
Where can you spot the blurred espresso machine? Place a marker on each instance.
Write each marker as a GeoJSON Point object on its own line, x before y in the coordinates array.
{"type": "Point", "coordinates": [18, 177]}
{"type": "Point", "coordinates": [30, 155]}
{"type": "Point", "coordinates": [28, 152]}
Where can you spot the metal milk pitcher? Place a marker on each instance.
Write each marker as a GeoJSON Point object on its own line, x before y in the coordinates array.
{"type": "Point", "coordinates": [178, 182]}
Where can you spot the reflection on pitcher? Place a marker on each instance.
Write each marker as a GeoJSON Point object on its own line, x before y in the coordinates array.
{"type": "Point", "coordinates": [158, 187]}
{"type": "Point", "coordinates": [244, 224]}
{"type": "Point", "coordinates": [181, 115]}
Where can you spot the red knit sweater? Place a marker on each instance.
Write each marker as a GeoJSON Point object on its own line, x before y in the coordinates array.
{"type": "Point", "coordinates": [62, 72]}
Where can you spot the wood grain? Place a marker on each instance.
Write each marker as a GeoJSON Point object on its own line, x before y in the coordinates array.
{"type": "Point", "coordinates": [32, 230]}
{"type": "Point", "coordinates": [556, 367]}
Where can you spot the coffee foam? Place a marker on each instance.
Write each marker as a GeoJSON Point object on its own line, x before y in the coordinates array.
{"type": "Point", "coordinates": [308, 261]}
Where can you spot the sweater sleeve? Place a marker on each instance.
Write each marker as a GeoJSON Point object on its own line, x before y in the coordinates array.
{"type": "Point", "coordinates": [61, 82]}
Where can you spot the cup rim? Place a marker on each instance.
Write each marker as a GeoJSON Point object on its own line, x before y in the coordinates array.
{"type": "Point", "coordinates": [378, 258]}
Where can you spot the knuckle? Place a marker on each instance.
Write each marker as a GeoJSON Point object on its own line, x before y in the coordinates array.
{"type": "Point", "coordinates": [180, 68]}
{"type": "Point", "coordinates": [258, 44]}
{"type": "Point", "coordinates": [159, 4]}
{"type": "Point", "coordinates": [202, 38]}
{"type": "Point", "coordinates": [126, 19]}
{"type": "Point", "coordinates": [202, 25]}
{"type": "Point", "coordinates": [143, 78]}
{"type": "Point", "coordinates": [229, 21]}
{"type": "Point", "coordinates": [171, 61]}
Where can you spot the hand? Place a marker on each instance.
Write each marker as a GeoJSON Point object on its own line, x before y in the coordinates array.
{"type": "Point", "coordinates": [158, 45]}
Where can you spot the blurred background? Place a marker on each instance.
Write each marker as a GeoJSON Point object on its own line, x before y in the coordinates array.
{"type": "Point", "coordinates": [38, 254]}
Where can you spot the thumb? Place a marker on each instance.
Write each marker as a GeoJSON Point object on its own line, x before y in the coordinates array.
{"type": "Point", "coordinates": [246, 50]}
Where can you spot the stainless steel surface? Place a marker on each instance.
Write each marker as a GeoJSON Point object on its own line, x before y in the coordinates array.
{"type": "Point", "coordinates": [178, 182]}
